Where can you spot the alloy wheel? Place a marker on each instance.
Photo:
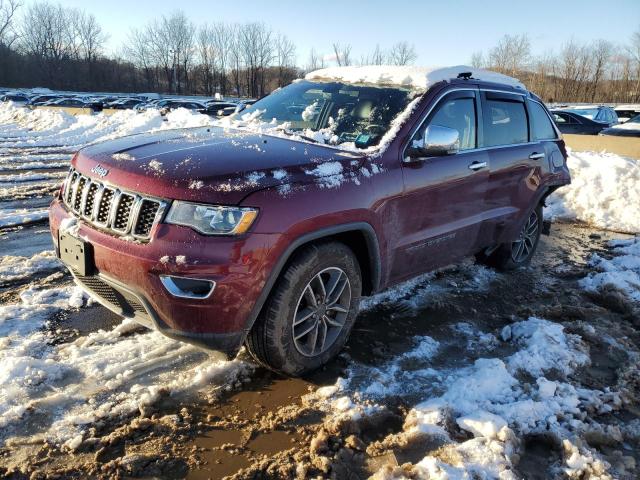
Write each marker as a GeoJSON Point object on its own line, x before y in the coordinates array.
{"type": "Point", "coordinates": [523, 246]}
{"type": "Point", "coordinates": [321, 312]}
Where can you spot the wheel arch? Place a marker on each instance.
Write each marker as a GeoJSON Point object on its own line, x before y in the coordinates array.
{"type": "Point", "coordinates": [351, 234]}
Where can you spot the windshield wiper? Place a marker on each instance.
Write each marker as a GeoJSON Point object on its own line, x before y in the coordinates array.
{"type": "Point", "coordinates": [298, 134]}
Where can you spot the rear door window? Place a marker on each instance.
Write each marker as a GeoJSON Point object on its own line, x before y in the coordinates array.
{"type": "Point", "coordinates": [505, 123]}
{"type": "Point", "coordinates": [542, 128]}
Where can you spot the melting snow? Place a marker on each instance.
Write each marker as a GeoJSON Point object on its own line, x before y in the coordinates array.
{"type": "Point", "coordinates": [21, 216]}
{"type": "Point", "coordinates": [621, 271]}
{"type": "Point", "coordinates": [604, 191]}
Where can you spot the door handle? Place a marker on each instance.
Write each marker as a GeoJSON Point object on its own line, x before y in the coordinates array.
{"type": "Point", "coordinates": [477, 165]}
{"type": "Point", "coordinates": [536, 156]}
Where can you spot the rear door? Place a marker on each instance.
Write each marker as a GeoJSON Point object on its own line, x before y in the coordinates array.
{"type": "Point", "coordinates": [516, 160]}
{"type": "Point", "coordinates": [440, 212]}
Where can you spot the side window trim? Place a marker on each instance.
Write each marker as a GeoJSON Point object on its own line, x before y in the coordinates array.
{"type": "Point", "coordinates": [479, 119]}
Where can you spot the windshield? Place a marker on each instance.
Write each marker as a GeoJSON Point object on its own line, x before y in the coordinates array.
{"type": "Point", "coordinates": [590, 113]}
{"type": "Point", "coordinates": [635, 119]}
{"type": "Point", "coordinates": [331, 112]}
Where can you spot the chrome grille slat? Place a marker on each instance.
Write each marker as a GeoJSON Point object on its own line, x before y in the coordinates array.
{"type": "Point", "coordinates": [117, 211]}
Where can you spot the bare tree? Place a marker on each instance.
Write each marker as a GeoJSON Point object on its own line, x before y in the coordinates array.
{"type": "Point", "coordinates": [315, 61]}
{"type": "Point", "coordinates": [8, 33]}
{"type": "Point", "coordinates": [223, 38]}
{"type": "Point", "coordinates": [207, 53]}
{"type": "Point", "coordinates": [601, 53]}
{"type": "Point", "coordinates": [634, 52]}
{"type": "Point", "coordinates": [342, 54]}
{"type": "Point", "coordinates": [378, 57]}
{"type": "Point", "coordinates": [168, 43]}
{"type": "Point", "coordinates": [285, 58]}
{"type": "Point", "coordinates": [47, 33]}
{"type": "Point", "coordinates": [477, 60]}
{"type": "Point", "coordinates": [511, 55]}
{"type": "Point", "coordinates": [257, 52]}
{"type": "Point", "coordinates": [402, 53]}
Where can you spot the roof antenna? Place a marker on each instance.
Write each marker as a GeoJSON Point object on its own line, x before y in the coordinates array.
{"type": "Point", "coordinates": [465, 75]}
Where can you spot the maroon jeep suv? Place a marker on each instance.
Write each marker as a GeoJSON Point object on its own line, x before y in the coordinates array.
{"type": "Point", "coordinates": [267, 228]}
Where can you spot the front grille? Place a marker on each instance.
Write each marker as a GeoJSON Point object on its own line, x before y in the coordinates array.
{"type": "Point", "coordinates": [87, 210]}
{"type": "Point", "coordinates": [102, 215]}
{"type": "Point", "coordinates": [77, 195]}
{"type": "Point", "coordinates": [119, 212]}
{"type": "Point", "coordinates": [146, 216]}
{"type": "Point", "coordinates": [122, 301]}
{"type": "Point", "coordinates": [123, 212]}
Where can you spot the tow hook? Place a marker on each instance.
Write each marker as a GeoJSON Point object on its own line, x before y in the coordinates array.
{"type": "Point", "coordinates": [546, 227]}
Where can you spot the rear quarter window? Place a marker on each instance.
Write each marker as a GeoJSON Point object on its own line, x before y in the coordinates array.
{"type": "Point", "coordinates": [542, 127]}
{"type": "Point", "coordinates": [505, 123]}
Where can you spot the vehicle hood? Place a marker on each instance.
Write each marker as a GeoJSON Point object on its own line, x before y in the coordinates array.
{"type": "Point", "coordinates": [209, 164]}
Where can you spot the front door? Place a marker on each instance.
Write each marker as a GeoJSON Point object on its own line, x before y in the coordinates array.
{"type": "Point", "coordinates": [442, 207]}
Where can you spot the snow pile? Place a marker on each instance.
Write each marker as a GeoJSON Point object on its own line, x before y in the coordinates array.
{"type": "Point", "coordinates": [19, 216]}
{"type": "Point", "coordinates": [622, 271]}
{"type": "Point", "coordinates": [60, 389]}
{"type": "Point", "coordinates": [407, 76]}
{"type": "Point", "coordinates": [18, 268]}
{"type": "Point", "coordinates": [41, 128]}
{"type": "Point", "coordinates": [496, 400]}
{"type": "Point", "coordinates": [604, 191]}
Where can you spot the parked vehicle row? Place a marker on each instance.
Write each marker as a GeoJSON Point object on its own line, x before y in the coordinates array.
{"type": "Point", "coordinates": [598, 120]}
{"type": "Point", "coordinates": [138, 102]}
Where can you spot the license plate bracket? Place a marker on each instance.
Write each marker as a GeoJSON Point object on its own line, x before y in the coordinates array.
{"type": "Point", "coordinates": [76, 254]}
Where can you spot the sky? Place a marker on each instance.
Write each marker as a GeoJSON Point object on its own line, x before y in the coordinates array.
{"type": "Point", "coordinates": [444, 32]}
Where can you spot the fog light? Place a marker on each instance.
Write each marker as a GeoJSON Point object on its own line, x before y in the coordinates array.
{"type": "Point", "coordinates": [185, 287]}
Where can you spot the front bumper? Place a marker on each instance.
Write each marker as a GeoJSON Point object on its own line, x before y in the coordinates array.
{"type": "Point", "coordinates": [128, 279]}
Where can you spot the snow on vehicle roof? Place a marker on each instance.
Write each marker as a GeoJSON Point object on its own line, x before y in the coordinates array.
{"type": "Point", "coordinates": [408, 76]}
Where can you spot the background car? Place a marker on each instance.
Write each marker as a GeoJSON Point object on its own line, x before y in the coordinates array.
{"type": "Point", "coordinates": [627, 112]}
{"type": "Point", "coordinates": [600, 114]}
{"type": "Point", "coordinates": [19, 98]}
{"type": "Point", "coordinates": [630, 128]}
{"type": "Point", "coordinates": [66, 102]}
{"type": "Point", "coordinates": [42, 99]}
{"type": "Point", "coordinates": [220, 109]}
{"type": "Point", "coordinates": [124, 103]}
{"type": "Point", "coordinates": [188, 104]}
{"type": "Point", "coordinates": [572, 123]}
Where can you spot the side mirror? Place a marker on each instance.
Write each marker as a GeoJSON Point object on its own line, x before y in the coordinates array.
{"type": "Point", "coordinates": [436, 142]}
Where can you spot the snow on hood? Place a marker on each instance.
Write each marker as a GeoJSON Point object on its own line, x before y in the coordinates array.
{"type": "Point", "coordinates": [213, 164]}
{"type": "Point", "coordinates": [407, 76]}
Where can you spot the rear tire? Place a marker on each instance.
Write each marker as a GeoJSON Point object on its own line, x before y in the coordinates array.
{"type": "Point", "coordinates": [512, 255]}
{"type": "Point", "coordinates": [310, 312]}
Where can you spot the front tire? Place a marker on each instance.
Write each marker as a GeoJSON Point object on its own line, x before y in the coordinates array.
{"type": "Point", "coordinates": [516, 254]}
{"type": "Point", "coordinates": [310, 312]}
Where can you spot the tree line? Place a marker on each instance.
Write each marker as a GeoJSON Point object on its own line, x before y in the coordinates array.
{"type": "Point", "coordinates": [595, 72]}
{"type": "Point", "coordinates": [47, 44]}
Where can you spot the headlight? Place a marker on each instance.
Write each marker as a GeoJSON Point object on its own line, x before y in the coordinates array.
{"type": "Point", "coordinates": [212, 219]}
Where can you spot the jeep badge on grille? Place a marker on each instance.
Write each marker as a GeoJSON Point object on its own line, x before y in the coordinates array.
{"type": "Point", "coordinates": [100, 171]}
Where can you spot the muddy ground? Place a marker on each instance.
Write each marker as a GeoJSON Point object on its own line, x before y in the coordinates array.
{"type": "Point", "coordinates": [269, 428]}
